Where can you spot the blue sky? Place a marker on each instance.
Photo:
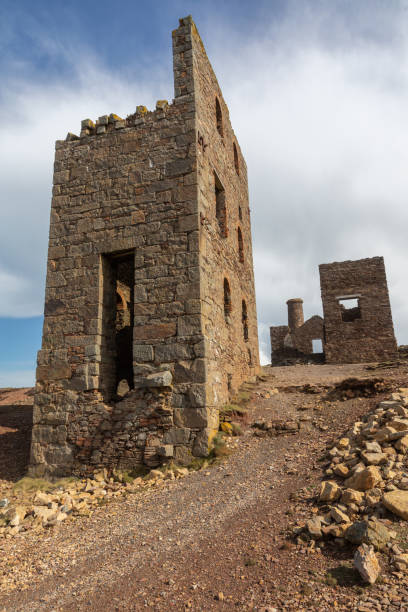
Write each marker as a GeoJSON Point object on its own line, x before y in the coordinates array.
{"type": "Point", "coordinates": [317, 93]}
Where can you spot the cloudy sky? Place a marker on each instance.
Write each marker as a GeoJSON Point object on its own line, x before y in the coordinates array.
{"type": "Point", "coordinates": [318, 97]}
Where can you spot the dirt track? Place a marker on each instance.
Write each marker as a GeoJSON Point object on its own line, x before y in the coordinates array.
{"type": "Point", "coordinates": [215, 540]}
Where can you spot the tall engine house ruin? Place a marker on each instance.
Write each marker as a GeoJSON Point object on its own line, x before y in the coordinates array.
{"type": "Point", "coordinates": [150, 315]}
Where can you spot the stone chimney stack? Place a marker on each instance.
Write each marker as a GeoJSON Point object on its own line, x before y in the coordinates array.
{"type": "Point", "coordinates": [295, 313]}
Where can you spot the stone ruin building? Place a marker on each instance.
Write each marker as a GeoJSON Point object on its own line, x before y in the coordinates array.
{"type": "Point", "coordinates": [357, 312]}
{"type": "Point", "coordinates": [357, 326]}
{"type": "Point", "coordinates": [150, 315]}
{"type": "Point", "coordinates": [299, 341]}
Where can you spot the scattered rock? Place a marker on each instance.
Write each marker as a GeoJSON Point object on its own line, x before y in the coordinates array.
{"type": "Point", "coordinates": [42, 499]}
{"type": "Point", "coordinates": [155, 475]}
{"type": "Point", "coordinates": [402, 445]}
{"type": "Point", "coordinates": [368, 532]}
{"type": "Point", "coordinates": [397, 502]}
{"type": "Point", "coordinates": [339, 516]}
{"type": "Point", "coordinates": [351, 496]}
{"type": "Point", "coordinates": [123, 388]}
{"type": "Point", "coordinates": [364, 479]}
{"type": "Point", "coordinates": [15, 515]}
{"type": "Point", "coordinates": [401, 562]}
{"type": "Point", "coordinates": [329, 491]}
{"type": "Point", "coordinates": [366, 563]}
{"type": "Point", "coordinates": [341, 470]}
{"type": "Point", "coordinates": [314, 527]}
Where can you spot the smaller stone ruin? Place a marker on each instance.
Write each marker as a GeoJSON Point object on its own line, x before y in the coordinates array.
{"type": "Point", "coordinates": [300, 341]}
{"type": "Point", "coordinates": [357, 325]}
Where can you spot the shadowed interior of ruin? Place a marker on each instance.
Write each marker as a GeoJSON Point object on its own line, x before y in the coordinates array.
{"type": "Point", "coordinates": [350, 309]}
{"type": "Point", "coordinates": [117, 322]}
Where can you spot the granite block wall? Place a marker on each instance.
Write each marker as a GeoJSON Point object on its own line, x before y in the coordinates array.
{"type": "Point", "coordinates": [364, 332]}
{"type": "Point", "coordinates": [139, 351]}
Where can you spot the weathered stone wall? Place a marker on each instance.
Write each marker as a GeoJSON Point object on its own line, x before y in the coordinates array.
{"type": "Point", "coordinates": [364, 333]}
{"type": "Point", "coordinates": [138, 190]}
{"type": "Point", "coordinates": [229, 321]}
{"type": "Point", "coordinates": [293, 343]}
{"type": "Point", "coordinates": [303, 336]}
{"type": "Point", "coordinates": [278, 333]}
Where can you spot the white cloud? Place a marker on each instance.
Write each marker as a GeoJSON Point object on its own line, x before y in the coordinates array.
{"type": "Point", "coordinates": [323, 127]}
{"type": "Point", "coordinates": [41, 114]}
{"type": "Point", "coordinates": [318, 101]}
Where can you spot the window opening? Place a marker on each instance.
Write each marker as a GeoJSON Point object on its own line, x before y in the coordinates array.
{"type": "Point", "coordinates": [245, 320]}
{"type": "Point", "coordinates": [317, 345]}
{"type": "Point", "coordinates": [240, 213]}
{"type": "Point", "coordinates": [240, 246]}
{"type": "Point", "coordinates": [227, 300]}
{"type": "Point", "coordinates": [218, 117]}
{"type": "Point", "coordinates": [236, 160]}
{"type": "Point", "coordinates": [220, 206]}
{"type": "Point", "coordinates": [249, 357]}
{"type": "Point", "coordinates": [350, 309]}
{"type": "Point", "coordinates": [117, 322]}
{"type": "Point", "coordinates": [229, 382]}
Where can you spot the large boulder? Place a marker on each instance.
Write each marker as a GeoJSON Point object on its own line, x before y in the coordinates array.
{"type": "Point", "coordinates": [366, 563]}
{"type": "Point", "coordinates": [351, 496]}
{"type": "Point", "coordinates": [402, 445]}
{"type": "Point", "coordinates": [397, 502]}
{"type": "Point", "coordinates": [368, 532]}
{"type": "Point", "coordinates": [364, 479]}
{"type": "Point", "coordinates": [329, 491]}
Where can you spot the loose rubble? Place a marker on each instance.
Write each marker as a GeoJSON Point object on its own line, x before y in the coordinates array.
{"type": "Point", "coordinates": [366, 563]}
{"type": "Point", "coordinates": [35, 510]}
{"type": "Point", "coordinates": [367, 478]}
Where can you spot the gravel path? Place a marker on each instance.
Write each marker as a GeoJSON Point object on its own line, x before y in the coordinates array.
{"type": "Point", "coordinates": [214, 540]}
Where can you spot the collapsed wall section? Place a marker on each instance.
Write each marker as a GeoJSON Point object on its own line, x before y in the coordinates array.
{"type": "Point", "coordinates": [357, 312]}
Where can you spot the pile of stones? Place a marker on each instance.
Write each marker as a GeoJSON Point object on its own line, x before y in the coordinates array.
{"type": "Point", "coordinates": [370, 463]}
{"type": "Point", "coordinates": [74, 498]}
{"type": "Point", "coordinates": [280, 426]}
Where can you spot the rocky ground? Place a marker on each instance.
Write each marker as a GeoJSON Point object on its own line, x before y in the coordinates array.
{"type": "Point", "coordinates": [235, 535]}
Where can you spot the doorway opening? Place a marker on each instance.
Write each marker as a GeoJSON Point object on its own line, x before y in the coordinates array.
{"type": "Point", "coordinates": [117, 321]}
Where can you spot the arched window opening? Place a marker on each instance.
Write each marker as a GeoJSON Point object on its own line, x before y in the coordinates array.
{"type": "Point", "coordinates": [236, 160]}
{"type": "Point", "coordinates": [220, 206]}
{"type": "Point", "coordinates": [227, 300]}
{"type": "Point", "coordinates": [218, 117]}
{"type": "Point", "coordinates": [245, 320]}
{"type": "Point", "coordinates": [240, 246]}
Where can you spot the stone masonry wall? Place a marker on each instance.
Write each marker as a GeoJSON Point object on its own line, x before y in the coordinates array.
{"type": "Point", "coordinates": [278, 333]}
{"type": "Point", "coordinates": [365, 333]}
{"type": "Point", "coordinates": [136, 189]}
{"type": "Point", "coordinates": [230, 330]}
{"type": "Point", "coordinates": [293, 343]}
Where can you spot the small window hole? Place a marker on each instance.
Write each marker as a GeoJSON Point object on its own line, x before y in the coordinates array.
{"type": "Point", "coordinates": [240, 246]}
{"type": "Point", "coordinates": [220, 206]}
{"type": "Point", "coordinates": [218, 117]}
{"type": "Point", "coordinates": [236, 159]}
{"type": "Point", "coordinates": [317, 345]}
{"type": "Point", "coordinates": [227, 300]}
{"type": "Point", "coordinates": [245, 320]}
{"type": "Point", "coordinates": [350, 309]}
